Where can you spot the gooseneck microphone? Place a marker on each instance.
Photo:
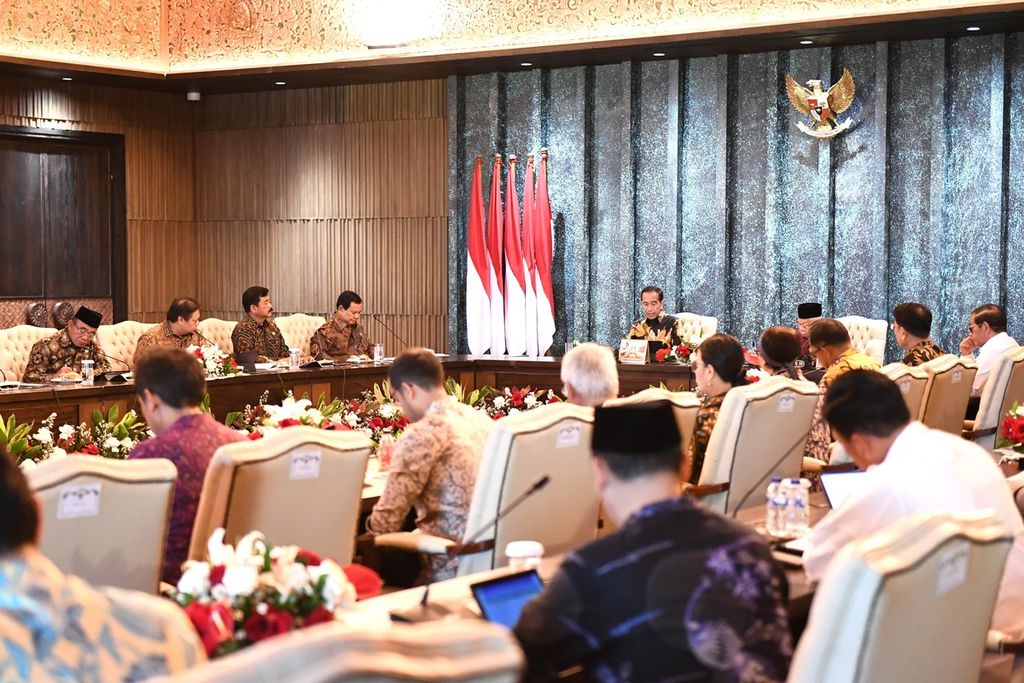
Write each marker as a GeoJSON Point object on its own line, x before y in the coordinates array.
{"type": "Point", "coordinates": [387, 327]}
{"type": "Point", "coordinates": [427, 612]}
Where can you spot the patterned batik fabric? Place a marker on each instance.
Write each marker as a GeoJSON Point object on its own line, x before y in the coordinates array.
{"type": "Point", "coordinates": [665, 329]}
{"type": "Point", "coordinates": [265, 339]}
{"type": "Point", "coordinates": [707, 415]}
{"type": "Point", "coordinates": [922, 352]}
{"type": "Point", "coordinates": [433, 468]}
{"type": "Point", "coordinates": [677, 593]}
{"type": "Point", "coordinates": [56, 627]}
{"type": "Point", "coordinates": [57, 351]}
{"type": "Point", "coordinates": [336, 340]}
{"type": "Point", "coordinates": [820, 437]}
{"type": "Point", "coordinates": [161, 335]}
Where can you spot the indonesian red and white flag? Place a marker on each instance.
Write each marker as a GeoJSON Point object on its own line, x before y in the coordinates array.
{"type": "Point", "coordinates": [543, 250]}
{"type": "Point", "coordinates": [515, 270]}
{"type": "Point", "coordinates": [495, 265]}
{"type": "Point", "coordinates": [478, 305]}
{"type": "Point", "coordinates": [529, 215]}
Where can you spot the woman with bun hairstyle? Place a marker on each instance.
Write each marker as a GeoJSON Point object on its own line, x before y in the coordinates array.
{"type": "Point", "coordinates": [779, 350]}
{"type": "Point", "coordinates": [717, 368]}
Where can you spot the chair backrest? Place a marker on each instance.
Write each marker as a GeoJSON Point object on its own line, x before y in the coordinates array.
{"type": "Point", "coordinates": [913, 383]}
{"type": "Point", "coordinates": [118, 341]}
{"type": "Point", "coordinates": [756, 425]}
{"type": "Point", "coordinates": [911, 602]}
{"type": "Point", "coordinates": [552, 440]}
{"type": "Point", "coordinates": [949, 389]}
{"type": "Point", "coordinates": [455, 650]}
{"type": "Point", "coordinates": [16, 344]}
{"type": "Point", "coordinates": [867, 335]}
{"type": "Point", "coordinates": [302, 486]}
{"type": "Point", "coordinates": [219, 332]}
{"type": "Point", "coordinates": [685, 405]}
{"type": "Point", "coordinates": [106, 520]}
{"type": "Point", "coordinates": [697, 326]}
{"type": "Point", "coordinates": [1005, 385]}
{"type": "Point", "coordinates": [297, 328]}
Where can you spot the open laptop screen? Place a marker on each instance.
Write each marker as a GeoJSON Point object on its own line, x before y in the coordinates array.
{"type": "Point", "coordinates": [839, 486]}
{"type": "Point", "coordinates": [502, 599]}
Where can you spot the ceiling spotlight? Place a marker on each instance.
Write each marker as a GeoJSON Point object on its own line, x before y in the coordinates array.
{"type": "Point", "coordinates": [973, 28]}
{"type": "Point", "coordinates": [66, 78]}
{"type": "Point", "coordinates": [659, 54]}
{"type": "Point", "coordinates": [280, 83]}
{"type": "Point", "coordinates": [807, 41]}
{"type": "Point", "coordinates": [525, 63]}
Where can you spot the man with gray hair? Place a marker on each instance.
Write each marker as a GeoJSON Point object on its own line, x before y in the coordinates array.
{"type": "Point", "coordinates": [589, 375]}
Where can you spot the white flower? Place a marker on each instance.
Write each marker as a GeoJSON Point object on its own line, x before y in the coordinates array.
{"type": "Point", "coordinates": [284, 554]}
{"type": "Point", "coordinates": [112, 444]}
{"type": "Point", "coordinates": [314, 417]}
{"type": "Point", "coordinates": [352, 419]}
{"type": "Point", "coordinates": [500, 401]}
{"type": "Point", "coordinates": [127, 443]}
{"type": "Point", "coordinates": [27, 464]}
{"type": "Point", "coordinates": [530, 400]}
{"type": "Point", "coordinates": [293, 578]}
{"type": "Point", "coordinates": [44, 435]}
{"type": "Point", "coordinates": [338, 591]}
{"type": "Point", "coordinates": [388, 411]}
{"type": "Point", "coordinates": [240, 579]}
{"type": "Point", "coordinates": [66, 432]}
{"type": "Point", "coordinates": [514, 411]}
{"type": "Point", "coordinates": [58, 454]}
{"type": "Point", "coordinates": [195, 580]}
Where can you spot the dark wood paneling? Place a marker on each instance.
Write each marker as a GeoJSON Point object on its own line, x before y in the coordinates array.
{"type": "Point", "coordinates": [21, 245]}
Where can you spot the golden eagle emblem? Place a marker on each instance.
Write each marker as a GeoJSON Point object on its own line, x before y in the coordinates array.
{"type": "Point", "coordinates": [822, 106]}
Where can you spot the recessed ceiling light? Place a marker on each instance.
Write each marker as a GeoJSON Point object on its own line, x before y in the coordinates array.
{"type": "Point", "coordinates": [659, 54]}
{"type": "Point", "coordinates": [280, 83]}
{"type": "Point", "coordinates": [973, 28]}
{"type": "Point", "coordinates": [66, 78]}
{"type": "Point", "coordinates": [806, 41]}
{"type": "Point", "coordinates": [525, 63]}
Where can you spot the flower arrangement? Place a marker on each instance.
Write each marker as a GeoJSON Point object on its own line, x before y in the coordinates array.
{"type": "Point", "coordinates": [215, 363]}
{"type": "Point", "coordinates": [756, 375]}
{"type": "Point", "coordinates": [266, 418]}
{"type": "Point", "coordinates": [111, 436]}
{"type": "Point", "coordinates": [251, 591]}
{"type": "Point", "coordinates": [513, 400]}
{"type": "Point", "coordinates": [681, 353]}
{"type": "Point", "coordinates": [375, 414]}
{"type": "Point", "coordinates": [1011, 431]}
{"type": "Point", "coordinates": [15, 438]}
{"type": "Point", "coordinates": [475, 398]}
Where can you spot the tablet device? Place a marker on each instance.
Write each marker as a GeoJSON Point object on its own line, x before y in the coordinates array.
{"type": "Point", "coordinates": [838, 486]}
{"type": "Point", "coordinates": [502, 599]}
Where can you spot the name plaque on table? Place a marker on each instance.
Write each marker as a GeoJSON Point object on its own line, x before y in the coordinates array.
{"type": "Point", "coordinates": [633, 351]}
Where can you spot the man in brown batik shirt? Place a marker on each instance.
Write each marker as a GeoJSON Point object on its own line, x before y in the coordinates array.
{"type": "Point", "coordinates": [341, 336]}
{"type": "Point", "coordinates": [179, 329]}
{"type": "Point", "coordinates": [256, 331]}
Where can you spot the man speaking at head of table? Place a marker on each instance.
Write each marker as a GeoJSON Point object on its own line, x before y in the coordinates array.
{"type": "Point", "coordinates": [656, 325]}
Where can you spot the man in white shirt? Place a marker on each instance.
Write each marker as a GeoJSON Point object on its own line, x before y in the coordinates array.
{"type": "Point", "coordinates": [909, 469]}
{"type": "Point", "coordinates": [987, 337]}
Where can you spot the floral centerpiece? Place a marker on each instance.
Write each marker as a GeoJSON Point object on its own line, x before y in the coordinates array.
{"type": "Point", "coordinates": [1011, 431]}
{"type": "Point", "coordinates": [215, 363]}
{"type": "Point", "coordinates": [266, 418]}
{"type": "Point", "coordinates": [375, 414]}
{"type": "Point", "coordinates": [251, 591]}
{"type": "Point", "coordinates": [513, 400]}
{"type": "Point", "coordinates": [110, 436]}
{"type": "Point", "coordinates": [681, 353]}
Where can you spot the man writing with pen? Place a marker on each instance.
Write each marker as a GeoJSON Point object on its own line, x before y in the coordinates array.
{"type": "Point", "coordinates": [341, 336]}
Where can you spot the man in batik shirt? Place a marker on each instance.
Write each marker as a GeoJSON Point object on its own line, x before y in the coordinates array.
{"type": "Point", "coordinates": [656, 325]}
{"type": "Point", "coordinates": [180, 329]}
{"type": "Point", "coordinates": [912, 327]}
{"type": "Point", "coordinates": [341, 336]}
{"type": "Point", "coordinates": [677, 592]}
{"type": "Point", "coordinates": [434, 465]}
{"type": "Point", "coordinates": [256, 332]}
{"type": "Point", "coordinates": [63, 352]}
{"type": "Point", "coordinates": [56, 627]}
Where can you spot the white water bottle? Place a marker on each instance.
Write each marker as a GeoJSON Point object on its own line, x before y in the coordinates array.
{"type": "Point", "coordinates": [773, 521]}
{"type": "Point", "coordinates": [797, 513]}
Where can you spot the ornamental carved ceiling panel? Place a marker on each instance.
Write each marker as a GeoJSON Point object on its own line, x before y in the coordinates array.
{"type": "Point", "coordinates": [206, 34]}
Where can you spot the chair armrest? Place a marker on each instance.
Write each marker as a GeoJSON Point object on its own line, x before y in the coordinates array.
{"type": "Point", "coordinates": [704, 490]}
{"type": "Point", "coordinates": [415, 542]}
{"type": "Point", "coordinates": [997, 642]}
{"type": "Point", "coordinates": [971, 434]}
{"type": "Point", "coordinates": [812, 465]}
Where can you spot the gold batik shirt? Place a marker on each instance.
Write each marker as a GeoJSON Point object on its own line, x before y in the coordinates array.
{"type": "Point", "coordinates": [266, 339]}
{"type": "Point", "coordinates": [337, 340]}
{"type": "Point", "coordinates": [665, 329]}
{"type": "Point", "coordinates": [161, 335]}
{"type": "Point", "coordinates": [57, 351]}
{"type": "Point", "coordinates": [820, 437]}
{"type": "Point", "coordinates": [922, 352]}
{"type": "Point", "coordinates": [707, 415]}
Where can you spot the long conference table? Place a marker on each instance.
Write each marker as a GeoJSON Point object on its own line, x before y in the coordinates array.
{"type": "Point", "coordinates": [75, 403]}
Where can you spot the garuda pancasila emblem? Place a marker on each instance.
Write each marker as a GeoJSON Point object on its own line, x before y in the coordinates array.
{"type": "Point", "coordinates": [822, 106]}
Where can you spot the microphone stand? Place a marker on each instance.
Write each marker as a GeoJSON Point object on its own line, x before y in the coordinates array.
{"type": "Point", "coordinates": [387, 327]}
{"type": "Point", "coordinates": [426, 611]}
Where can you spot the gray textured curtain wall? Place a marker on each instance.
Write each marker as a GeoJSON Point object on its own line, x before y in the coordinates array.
{"type": "Point", "coordinates": [692, 175]}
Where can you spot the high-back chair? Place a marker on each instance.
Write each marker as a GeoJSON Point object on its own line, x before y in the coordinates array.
{"type": "Point", "coordinates": [760, 433]}
{"type": "Point", "coordinates": [105, 520]}
{"type": "Point", "coordinates": [118, 341]}
{"type": "Point", "coordinates": [451, 650]}
{"type": "Point", "coordinates": [1005, 385]}
{"type": "Point", "coordinates": [302, 486]}
{"type": "Point", "coordinates": [911, 602]}
{"type": "Point", "coordinates": [553, 440]}
{"type": "Point", "coordinates": [867, 335]}
{"type": "Point", "coordinates": [219, 332]}
{"type": "Point", "coordinates": [16, 344]}
{"type": "Point", "coordinates": [297, 329]}
{"type": "Point", "coordinates": [949, 389]}
{"type": "Point", "coordinates": [697, 326]}
{"type": "Point", "coordinates": [913, 384]}
{"type": "Point", "coordinates": [684, 404]}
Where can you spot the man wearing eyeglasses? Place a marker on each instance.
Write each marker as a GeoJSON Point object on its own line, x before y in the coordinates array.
{"type": "Point", "coordinates": [61, 354]}
{"type": "Point", "coordinates": [987, 337]}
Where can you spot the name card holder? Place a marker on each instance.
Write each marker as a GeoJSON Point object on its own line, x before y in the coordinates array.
{"type": "Point", "coordinates": [634, 352]}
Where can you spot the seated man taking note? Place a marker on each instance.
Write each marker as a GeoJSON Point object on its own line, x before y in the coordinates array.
{"type": "Point", "coordinates": [178, 329]}
{"type": "Point", "coordinates": [676, 593]}
{"type": "Point", "coordinates": [62, 354]}
{"type": "Point", "coordinates": [256, 332]}
{"type": "Point", "coordinates": [341, 336]}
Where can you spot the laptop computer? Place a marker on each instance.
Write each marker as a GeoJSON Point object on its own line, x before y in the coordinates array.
{"type": "Point", "coordinates": [838, 486]}
{"type": "Point", "coordinates": [502, 599]}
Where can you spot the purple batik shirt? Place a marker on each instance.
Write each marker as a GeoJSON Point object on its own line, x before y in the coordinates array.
{"type": "Point", "coordinates": [189, 443]}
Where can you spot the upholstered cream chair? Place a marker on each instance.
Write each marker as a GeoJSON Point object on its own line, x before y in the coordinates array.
{"type": "Point", "coordinates": [552, 440]}
{"type": "Point", "coordinates": [867, 335]}
{"type": "Point", "coordinates": [913, 384]}
{"type": "Point", "coordinates": [118, 341]}
{"type": "Point", "coordinates": [16, 344]}
{"type": "Point", "coordinates": [697, 327]}
{"type": "Point", "coordinates": [302, 486]}
{"type": "Point", "coordinates": [684, 404]}
{"type": "Point", "coordinates": [105, 520]}
{"type": "Point", "coordinates": [297, 329]}
{"type": "Point", "coordinates": [949, 389]}
{"type": "Point", "coordinates": [219, 332]}
{"type": "Point", "coordinates": [911, 602]}
{"type": "Point", "coordinates": [455, 650]}
{"type": "Point", "coordinates": [760, 433]}
{"type": "Point", "coordinates": [1005, 385]}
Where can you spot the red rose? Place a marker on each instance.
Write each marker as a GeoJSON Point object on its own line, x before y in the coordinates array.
{"type": "Point", "coordinates": [683, 351]}
{"type": "Point", "coordinates": [231, 364]}
{"type": "Point", "coordinates": [91, 449]}
{"type": "Point", "coordinates": [753, 378]}
{"type": "Point", "coordinates": [289, 422]}
{"type": "Point", "coordinates": [198, 353]}
{"type": "Point", "coordinates": [1017, 433]}
{"type": "Point", "coordinates": [366, 581]}
{"type": "Point", "coordinates": [308, 558]}
{"type": "Point", "coordinates": [212, 622]}
{"type": "Point", "coordinates": [217, 575]}
{"type": "Point", "coordinates": [319, 615]}
{"type": "Point", "coordinates": [255, 436]}
{"type": "Point", "coordinates": [554, 399]}
{"type": "Point", "coordinates": [661, 354]}
{"type": "Point", "coordinates": [1006, 429]}
{"type": "Point", "coordinates": [261, 626]}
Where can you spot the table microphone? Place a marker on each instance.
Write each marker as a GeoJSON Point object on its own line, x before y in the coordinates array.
{"type": "Point", "coordinates": [387, 327]}
{"type": "Point", "coordinates": [768, 472]}
{"type": "Point", "coordinates": [428, 612]}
